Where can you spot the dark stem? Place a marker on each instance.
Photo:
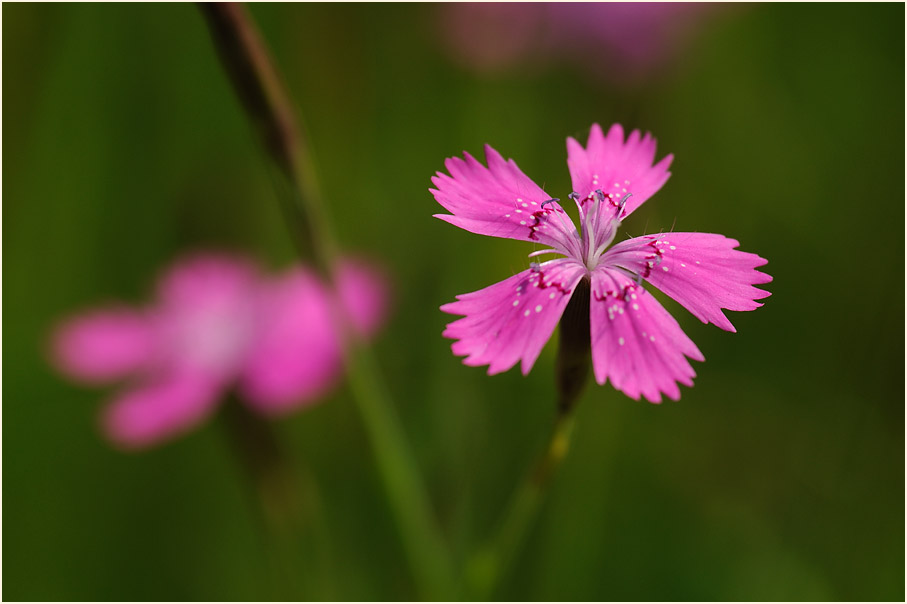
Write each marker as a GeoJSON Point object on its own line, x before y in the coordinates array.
{"type": "Point", "coordinates": [250, 69]}
{"type": "Point", "coordinates": [574, 351]}
{"type": "Point", "coordinates": [265, 463]}
{"type": "Point", "coordinates": [289, 503]}
{"type": "Point", "coordinates": [489, 566]}
{"type": "Point", "coordinates": [258, 84]}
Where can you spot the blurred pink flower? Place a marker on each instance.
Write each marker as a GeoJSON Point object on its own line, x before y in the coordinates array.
{"type": "Point", "coordinates": [635, 342]}
{"type": "Point", "coordinates": [621, 41]}
{"type": "Point", "coordinates": [217, 321]}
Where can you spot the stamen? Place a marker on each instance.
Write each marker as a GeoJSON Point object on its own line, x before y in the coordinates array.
{"type": "Point", "coordinates": [623, 202]}
{"type": "Point", "coordinates": [535, 267]}
{"type": "Point", "coordinates": [552, 200]}
{"type": "Point", "coordinates": [566, 227]}
{"type": "Point", "coordinates": [577, 199]}
{"type": "Point", "coordinates": [542, 252]}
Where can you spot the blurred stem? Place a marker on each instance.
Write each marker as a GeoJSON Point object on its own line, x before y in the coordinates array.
{"type": "Point", "coordinates": [491, 564]}
{"type": "Point", "coordinates": [428, 552]}
{"type": "Point", "coordinates": [290, 503]}
{"type": "Point", "coordinates": [260, 88]}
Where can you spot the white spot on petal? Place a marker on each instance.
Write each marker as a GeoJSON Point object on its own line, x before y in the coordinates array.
{"type": "Point", "coordinates": [538, 308]}
{"type": "Point", "coordinates": [515, 302]}
{"type": "Point", "coordinates": [620, 341]}
{"type": "Point", "coordinates": [524, 222]}
{"type": "Point", "coordinates": [664, 268]}
{"type": "Point", "coordinates": [636, 307]}
{"type": "Point", "coordinates": [526, 314]}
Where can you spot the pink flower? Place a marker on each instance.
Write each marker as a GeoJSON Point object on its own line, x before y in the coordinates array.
{"type": "Point", "coordinates": [217, 322]}
{"type": "Point", "coordinates": [635, 342]}
{"type": "Point", "coordinates": [622, 42]}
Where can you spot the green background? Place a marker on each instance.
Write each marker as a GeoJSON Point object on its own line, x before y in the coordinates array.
{"type": "Point", "coordinates": [780, 475]}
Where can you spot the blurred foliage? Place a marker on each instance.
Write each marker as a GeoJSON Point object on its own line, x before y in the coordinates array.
{"type": "Point", "coordinates": [780, 475]}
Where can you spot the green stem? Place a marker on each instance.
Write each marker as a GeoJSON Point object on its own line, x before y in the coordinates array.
{"type": "Point", "coordinates": [427, 551]}
{"type": "Point", "coordinates": [491, 565]}
{"type": "Point", "coordinates": [493, 562]}
{"type": "Point", "coordinates": [259, 86]}
{"type": "Point", "coordinates": [289, 502]}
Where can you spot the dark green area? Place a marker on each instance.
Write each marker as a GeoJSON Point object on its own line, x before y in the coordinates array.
{"type": "Point", "coordinates": [779, 476]}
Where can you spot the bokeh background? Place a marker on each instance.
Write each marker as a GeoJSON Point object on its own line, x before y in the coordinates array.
{"type": "Point", "coordinates": [780, 475]}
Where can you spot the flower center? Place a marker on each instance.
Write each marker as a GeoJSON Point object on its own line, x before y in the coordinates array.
{"type": "Point", "coordinates": [598, 225]}
{"type": "Point", "coordinates": [600, 215]}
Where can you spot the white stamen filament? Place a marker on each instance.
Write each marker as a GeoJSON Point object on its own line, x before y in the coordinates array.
{"type": "Point", "coordinates": [545, 251]}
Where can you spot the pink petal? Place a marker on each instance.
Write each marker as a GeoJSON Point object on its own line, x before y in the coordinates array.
{"type": "Point", "coordinates": [364, 294]}
{"type": "Point", "coordinates": [513, 319]}
{"type": "Point", "coordinates": [617, 167]}
{"type": "Point", "coordinates": [206, 279]}
{"type": "Point", "coordinates": [296, 357]}
{"type": "Point", "coordinates": [636, 343]}
{"type": "Point", "coordinates": [207, 313]}
{"type": "Point", "coordinates": [702, 271]}
{"type": "Point", "coordinates": [500, 201]}
{"type": "Point", "coordinates": [103, 344]}
{"type": "Point", "coordinates": [160, 410]}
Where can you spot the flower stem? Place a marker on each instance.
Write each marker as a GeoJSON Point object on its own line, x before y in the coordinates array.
{"type": "Point", "coordinates": [428, 553]}
{"type": "Point", "coordinates": [492, 563]}
{"type": "Point", "coordinates": [290, 505]}
{"type": "Point", "coordinates": [260, 88]}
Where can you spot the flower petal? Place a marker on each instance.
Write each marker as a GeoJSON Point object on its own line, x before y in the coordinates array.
{"type": "Point", "coordinates": [513, 319]}
{"type": "Point", "coordinates": [160, 410]}
{"type": "Point", "coordinates": [296, 357]}
{"type": "Point", "coordinates": [363, 293]}
{"type": "Point", "coordinates": [500, 201]}
{"type": "Point", "coordinates": [207, 313]}
{"type": "Point", "coordinates": [702, 271]}
{"type": "Point", "coordinates": [616, 167]}
{"type": "Point", "coordinates": [636, 343]}
{"type": "Point", "coordinates": [207, 279]}
{"type": "Point", "coordinates": [104, 344]}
